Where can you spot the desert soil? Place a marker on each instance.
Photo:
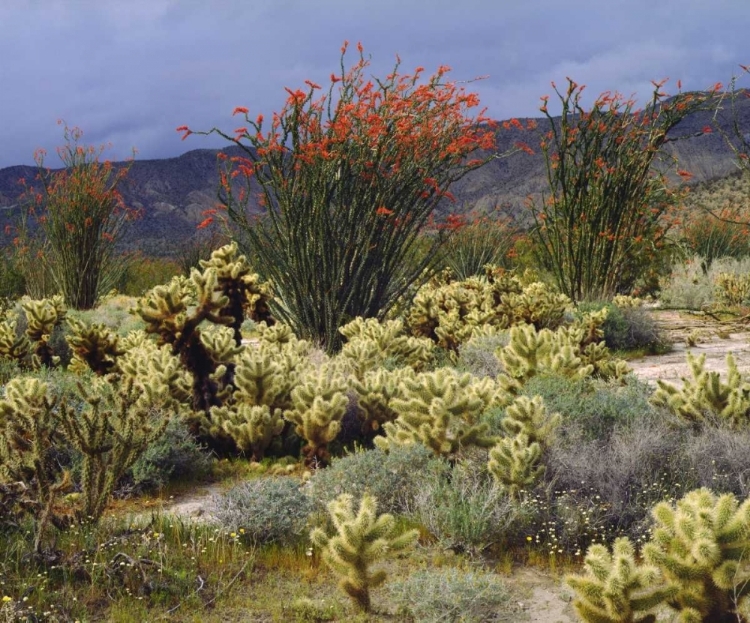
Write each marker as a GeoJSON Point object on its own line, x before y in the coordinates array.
{"type": "Point", "coordinates": [542, 598]}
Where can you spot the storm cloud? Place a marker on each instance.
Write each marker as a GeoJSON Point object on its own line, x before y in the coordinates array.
{"type": "Point", "coordinates": [128, 72]}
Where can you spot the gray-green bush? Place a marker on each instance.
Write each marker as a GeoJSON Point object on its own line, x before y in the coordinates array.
{"type": "Point", "coordinates": [266, 510]}
{"type": "Point", "coordinates": [389, 476]}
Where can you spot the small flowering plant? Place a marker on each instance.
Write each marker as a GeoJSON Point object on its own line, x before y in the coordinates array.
{"type": "Point", "coordinates": [345, 179]}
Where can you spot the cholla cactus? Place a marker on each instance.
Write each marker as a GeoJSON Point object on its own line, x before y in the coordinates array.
{"type": "Point", "coordinates": [375, 393]}
{"type": "Point", "coordinates": [701, 545]}
{"type": "Point", "coordinates": [538, 305]}
{"type": "Point", "coordinates": [143, 362]}
{"type": "Point", "coordinates": [616, 589]}
{"type": "Point", "coordinates": [165, 312]}
{"type": "Point", "coordinates": [252, 428]}
{"type": "Point", "coordinates": [705, 395]}
{"type": "Point", "coordinates": [360, 540]}
{"type": "Point", "coordinates": [114, 427]}
{"type": "Point", "coordinates": [733, 289]}
{"type": "Point", "coordinates": [370, 343]}
{"type": "Point", "coordinates": [95, 347]}
{"type": "Point", "coordinates": [242, 288]}
{"type": "Point", "coordinates": [13, 346]}
{"type": "Point", "coordinates": [42, 316]}
{"type": "Point", "coordinates": [529, 417]}
{"type": "Point", "coordinates": [440, 410]}
{"type": "Point", "coordinates": [627, 302]}
{"type": "Point", "coordinates": [28, 434]}
{"type": "Point", "coordinates": [514, 461]}
{"type": "Point", "coordinates": [319, 403]}
{"type": "Point", "coordinates": [564, 351]}
{"type": "Point", "coordinates": [264, 380]}
{"type": "Point", "coordinates": [448, 312]}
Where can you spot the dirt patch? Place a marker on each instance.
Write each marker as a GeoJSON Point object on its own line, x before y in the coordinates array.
{"type": "Point", "coordinates": [547, 600]}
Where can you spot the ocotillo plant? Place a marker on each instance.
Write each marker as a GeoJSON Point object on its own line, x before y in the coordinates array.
{"type": "Point", "coordinates": [360, 540]}
{"type": "Point", "coordinates": [81, 214]}
{"type": "Point", "coordinates": [347, 180]}
{"type": "Point", "coordinates": [604, 218]}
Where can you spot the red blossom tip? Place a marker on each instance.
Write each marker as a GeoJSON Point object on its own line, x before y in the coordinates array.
{"type": "Point", "coordinates": [240, 110]}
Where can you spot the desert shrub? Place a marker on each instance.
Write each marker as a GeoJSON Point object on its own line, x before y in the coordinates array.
{"type": "Point", "coordinates": [598, 489]}
{"type": "Point", "coordinates": [716, 457]}
{"type": "Point", "coordinates": [114, 313]}
{"type": "Point", "coordinates": [266, 510]}
{"type": "Point", "coordinates": [8, 369]}
{"type": "Point", "coordinates": [477, 356]}
{"type": "Point", "coordinates": [144, 273]}
{"type": "Point", "coordinates": [616, 481]}
{"type": "Point", "coordinates": [175, 455]}
{"type": "Point", "coordinates": [447, 594]}
{"type": "Point", "coordinates": [389, 476]}
{"type": "Point", "coordinates": [628, 328]}
{"type": "Point", "coordinates": [484, 240]}
{"type": "Point", "coordinates": [464, 508]}
{"type": "Point", "coordinates": [693, 285]}
{"type": "Point", "coordinates": [591, 408]}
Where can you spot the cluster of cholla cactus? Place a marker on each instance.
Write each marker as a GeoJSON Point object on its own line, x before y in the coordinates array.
{"type": "Point", "coordinates": [225, 289]}
{"type": "Point", "coordinates": [375, 393]}
{"type": "Point", "coordinates": [111, 427]}
{"type": "Point", "coordinates": [707, 396]}
{"type": "Point", "coordinates": [514, 461]}
{"type": "Point", "coordinates": [319, 403]}
{"type": "Point", "coordinates": [95, 347]}
{"type": "Point", "coordinates": [696, 565]}
{"type": "Point", "coordinates": [448, 312]}
{"type": "Point", "coordinates": [370, 343]}
{"type": "Point", "coordinates": [442, 411]}
{"type": "Point", "coordinates": [616, 589]}
{"type": "Point", "coordinates": [264, 377]}
{"type": "Point", "coordinates": [32, 349]}
{"type": "Point", "coordinates": [28, 435]}
{"type": "Point", "coordinates": [571, 351]}
{"type": "Point", "coordinates": [360, 540]}
{"type": "Point", "coordinates": [246, 296]}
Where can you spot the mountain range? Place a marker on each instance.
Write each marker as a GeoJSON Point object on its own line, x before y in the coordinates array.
{"type": "Point", "coordinates": [172, 193]}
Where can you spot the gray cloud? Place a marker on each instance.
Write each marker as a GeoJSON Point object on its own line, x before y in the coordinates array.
{"type": "Point", "coordinates": [130, 72]}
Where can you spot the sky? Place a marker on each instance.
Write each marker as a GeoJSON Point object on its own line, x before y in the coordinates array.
{"type": "Point", "coordinates": [128, 72]}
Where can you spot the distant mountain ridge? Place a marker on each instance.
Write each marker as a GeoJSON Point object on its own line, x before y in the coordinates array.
{"type": "Point", "coordinates": [172, 193]}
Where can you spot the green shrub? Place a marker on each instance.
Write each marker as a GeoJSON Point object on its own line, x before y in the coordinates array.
{"type": "Point", "coordinates": [463, 507]}
{"type": "Point", "coordinates": [477, 355]}
{"type": "Point", "coordinates": [175, 455]}
{"type": "Point", "coordinates": [593, 407]}
{"type": "Point", "coordinates": [443, 595]}
{"type": "Point", "coordinates": [389, 476]}
{"type": "Point", "coordinates": [266, 510]}
{"type": "Point", "coordinates": [628, 328]}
